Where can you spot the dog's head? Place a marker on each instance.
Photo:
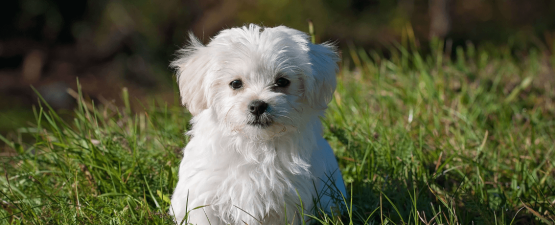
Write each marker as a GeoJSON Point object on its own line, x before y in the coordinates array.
{"type": "Point", "coordinates": [258, 80]}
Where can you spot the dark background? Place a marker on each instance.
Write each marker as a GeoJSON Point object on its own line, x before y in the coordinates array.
{"type": "Point", "coordinates": [109, 45]}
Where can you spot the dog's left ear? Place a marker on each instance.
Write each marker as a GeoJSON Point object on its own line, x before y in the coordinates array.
{"type": "Point", "coordinates": [320, 88]}
{"type": "Point", "coordinates": [193, 66]}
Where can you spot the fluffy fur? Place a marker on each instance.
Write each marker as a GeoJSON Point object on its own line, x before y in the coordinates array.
{"type": "Point", "coordinates": [249, 169]}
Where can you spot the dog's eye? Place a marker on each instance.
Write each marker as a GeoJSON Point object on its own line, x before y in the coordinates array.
{"type": "Point", "coordinates": [236, 84]}
{"type": "Point", "coordinates": [282, 82]}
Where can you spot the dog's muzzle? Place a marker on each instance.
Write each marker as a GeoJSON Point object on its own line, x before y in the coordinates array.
{"type": "Point", "coordinates": [258, 114]}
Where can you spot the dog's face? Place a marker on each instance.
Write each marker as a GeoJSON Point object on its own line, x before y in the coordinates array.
{"type": "Point", "coordinates": [258, 83]}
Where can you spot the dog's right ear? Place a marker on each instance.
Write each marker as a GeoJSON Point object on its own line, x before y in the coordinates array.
{"type": "Point", "coordinates": [193, 65]}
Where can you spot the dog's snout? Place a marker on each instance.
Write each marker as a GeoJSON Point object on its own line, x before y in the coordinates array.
{"type": "Point", "coordinates": [257, 107]}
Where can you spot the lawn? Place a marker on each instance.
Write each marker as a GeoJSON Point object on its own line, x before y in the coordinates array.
{"type": "Point", "coordinates": [422, 136]}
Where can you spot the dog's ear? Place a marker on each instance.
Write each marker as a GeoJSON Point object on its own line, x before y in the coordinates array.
{"type": "Point", "coordinates": [323, 60]}
{"type": "Point", "coordinates": [193, 65]}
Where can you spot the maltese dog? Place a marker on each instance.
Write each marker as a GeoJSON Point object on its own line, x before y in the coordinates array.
{"type": "Point", "coordinates": [256, 153]}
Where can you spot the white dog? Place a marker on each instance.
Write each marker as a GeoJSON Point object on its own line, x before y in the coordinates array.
{"type": "Point", "coordinates": [256, 95]}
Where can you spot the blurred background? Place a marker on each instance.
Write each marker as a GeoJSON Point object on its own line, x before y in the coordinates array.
{"type": "Point", "coordinates": [109, 45]}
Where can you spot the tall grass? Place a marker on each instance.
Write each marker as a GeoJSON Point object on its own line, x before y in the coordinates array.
{"type": "Point", "coordinates": [421, 139]}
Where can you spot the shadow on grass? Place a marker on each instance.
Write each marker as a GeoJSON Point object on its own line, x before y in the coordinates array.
{"type": "Point", "coordinates": [406, 190]}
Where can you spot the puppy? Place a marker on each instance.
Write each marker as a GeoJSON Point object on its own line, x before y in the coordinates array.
{"type": "Point", "coordinates": [256, 149]}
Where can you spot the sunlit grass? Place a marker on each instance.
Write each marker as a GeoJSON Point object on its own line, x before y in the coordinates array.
{"type": "Point", "coordinates": [421, 139]}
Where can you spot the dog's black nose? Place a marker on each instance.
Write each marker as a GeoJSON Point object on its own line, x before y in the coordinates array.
{"type": "Point", "coordinates": [257, 107]}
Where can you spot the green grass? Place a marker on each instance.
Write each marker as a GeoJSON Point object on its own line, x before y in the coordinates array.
{"type": "Point", "coordinates": [421, 139]}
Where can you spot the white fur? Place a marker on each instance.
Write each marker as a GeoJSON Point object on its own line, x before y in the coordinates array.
{"type": "Point", "coordinates": [245, 174]}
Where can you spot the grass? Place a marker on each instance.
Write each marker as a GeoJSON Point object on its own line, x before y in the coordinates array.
{"type": "Point", "coordinates": [420, 138]}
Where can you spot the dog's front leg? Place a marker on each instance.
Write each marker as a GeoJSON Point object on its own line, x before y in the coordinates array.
{"type": "Point", "coordinates": [204, 216]}
{"type": "Point", "coordinates": [184, 208]}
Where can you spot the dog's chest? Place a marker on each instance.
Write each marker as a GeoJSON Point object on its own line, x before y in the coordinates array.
{"type": "Point", "coordinates": [264, 193]}
{"type": "Point", "coordinates": [263, 183]}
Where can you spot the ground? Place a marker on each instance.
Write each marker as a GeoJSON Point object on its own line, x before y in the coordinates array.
{"type": "Point", "coordinates": [434, 138]}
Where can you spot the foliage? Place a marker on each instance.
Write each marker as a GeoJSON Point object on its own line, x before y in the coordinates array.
{"type": "Point", "coordinates": [421, 139]}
